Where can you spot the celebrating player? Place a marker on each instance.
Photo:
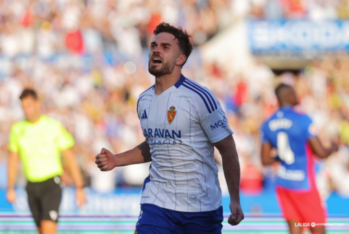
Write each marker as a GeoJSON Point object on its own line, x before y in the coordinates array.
{"type": "Point", "coordinates": [292, 134]}
{"type": "Point", "coordinates": [37, 141]}
{"type": "Point", "coordinates": [182, 122]}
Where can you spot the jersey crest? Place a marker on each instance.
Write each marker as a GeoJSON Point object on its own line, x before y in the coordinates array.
{"type": "Point", "coordinates": [171, 114]}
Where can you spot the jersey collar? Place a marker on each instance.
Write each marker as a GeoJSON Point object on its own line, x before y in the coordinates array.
{"type": "Point", "coordinates": [180, 81]}
{"type": "Point", "coordinates": [286, 108]}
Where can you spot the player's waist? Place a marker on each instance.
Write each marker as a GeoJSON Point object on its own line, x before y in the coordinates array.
{"type": "Point", "coordinates": [182, 173]}
{"type": "Point", "coordinates": [189, 201]}
{"type": "Point", "coordinates": [45, 178]}
{"type": "Point", "coordinates": [183, 186]}
{"type": "Point", "coordinates": [49, 180]}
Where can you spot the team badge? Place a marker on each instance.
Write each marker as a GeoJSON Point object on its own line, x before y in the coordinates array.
{"type": "Point", "coordinates": [171, 114]}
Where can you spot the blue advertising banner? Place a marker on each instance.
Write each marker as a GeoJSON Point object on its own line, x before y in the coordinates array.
{"type": "Point", "coordinates": [126, 202]}
{"type": "Point", "coordinates": [297, 36]}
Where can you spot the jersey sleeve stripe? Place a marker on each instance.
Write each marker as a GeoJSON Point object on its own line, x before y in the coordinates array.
{"type": "Point", "coordinates": [202, 91]}
{"type": "Point", "coordinates": [205, 92]}
{"type": "Point", "coordinates": [188, 87]}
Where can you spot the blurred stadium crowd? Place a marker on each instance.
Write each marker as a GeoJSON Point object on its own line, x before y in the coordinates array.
{"type": "Point", "coordinates": [88, 62]}
{"type": "Point", "coordinates": [296, 9]}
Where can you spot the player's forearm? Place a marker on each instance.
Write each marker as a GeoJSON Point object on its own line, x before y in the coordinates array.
{"type": "Point", "coordinates": [231, 166]}
{"type": "Point", "coordinates": [74, 168]}
{"type": "Point", "coordinates": [328, 151]}
{"type": "Point", "coordinates": [266, 157]}
{"type": "Point", "coordinates": [12, 167]}
{"type": "Point", "coordinates": [139, 154]}
{"type": "Point", "coordinates": [320, 150]}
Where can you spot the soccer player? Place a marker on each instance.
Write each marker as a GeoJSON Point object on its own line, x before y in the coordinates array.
{"type": "Point", "coordinates": [37, 141]}
{"type": "Point", "coordinates": [182, 122]}
{"type": "Point", "coordinates": [292, 134]}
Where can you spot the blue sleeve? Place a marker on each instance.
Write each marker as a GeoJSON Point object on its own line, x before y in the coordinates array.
{"type": "Point", "coordinates": [309, 127]}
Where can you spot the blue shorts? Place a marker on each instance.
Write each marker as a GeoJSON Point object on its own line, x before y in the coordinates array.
{"type": "Point", "coordinates": [157, 220]}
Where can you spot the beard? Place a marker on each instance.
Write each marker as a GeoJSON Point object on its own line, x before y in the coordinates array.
{"type": "Point", "coordinates": [164, 69]}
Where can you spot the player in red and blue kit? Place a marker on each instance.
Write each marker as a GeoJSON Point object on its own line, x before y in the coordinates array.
{"type": "Point", "coordinates": [292, 134]}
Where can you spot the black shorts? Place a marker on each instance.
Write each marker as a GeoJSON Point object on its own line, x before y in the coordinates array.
{"type": "Point", "coordinates": [44, 199]}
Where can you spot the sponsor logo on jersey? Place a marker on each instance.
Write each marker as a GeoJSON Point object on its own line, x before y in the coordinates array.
{"type": "Point", "coordinates": [220, 124]}
{"type": "Point", "coordinates": [144, 115]}
{"type": "Point", "coordinates": [287, 174]}
{"type": "Point", "coordinates": [171, 114]}
{"type": "Point", "coordinates": [161, 133]}
{"type": "Point", "coordinates": [154, 141]}
{"type": "Point", "coordinates": [162, 136]}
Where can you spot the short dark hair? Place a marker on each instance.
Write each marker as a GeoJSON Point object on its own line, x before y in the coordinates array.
{"type": "Point", "coordinates": [28, 93]}
{"type": "Point", "coordinates": [281, 87]}
{"type": "Point", "coordinates": [181, 35]}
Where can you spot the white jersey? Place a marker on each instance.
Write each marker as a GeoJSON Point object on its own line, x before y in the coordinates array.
{"type": "Point", "coordinates": [180, 126]}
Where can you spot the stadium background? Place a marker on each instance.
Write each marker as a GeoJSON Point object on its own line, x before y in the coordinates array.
{"type": "Point", "coordinates": [88, 61]}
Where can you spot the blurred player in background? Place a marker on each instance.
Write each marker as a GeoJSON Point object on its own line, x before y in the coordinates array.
{"type": "Point", "coordinates": [37, 141]}
{"type": "Point", "coordinates": [182, 122]}
{"type": "Point", "coordinates": [292, 134]}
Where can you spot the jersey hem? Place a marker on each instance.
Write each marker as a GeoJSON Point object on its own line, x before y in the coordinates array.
{"type": "Point", "coordinates": [183, 211]}
{"type": "Point", "coordinates": [217, 139]}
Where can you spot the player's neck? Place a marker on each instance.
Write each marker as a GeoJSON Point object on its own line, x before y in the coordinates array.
{"type": "Point", "coordinates": [162, 83]}
{"type": "Point", "coordinates": [34, 119]}
{"type": "Point", "coordinates": [286, 105]}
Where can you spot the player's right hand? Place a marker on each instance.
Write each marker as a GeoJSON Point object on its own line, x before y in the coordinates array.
{"type": "Point", "coordinates": [11, 196]}
{"type": "Point", "coordinates": [237, 215]}
{"type": "Point", "coordinates": [105, 160]}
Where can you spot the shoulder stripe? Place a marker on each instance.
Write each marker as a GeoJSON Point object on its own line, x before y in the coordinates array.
{"type": "Point", "coordinates": [141, 95]}
{"type": "Point", "coordinates": [205, 91]}
{"type": "Point", "coordinates": [188, 87]}
{"type": "Point", "coordinates": [201, 91]}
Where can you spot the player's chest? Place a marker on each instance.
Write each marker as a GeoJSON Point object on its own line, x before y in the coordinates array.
{"type": "Point", "coordinates": [33, 137]}
{"type": "Point", "coordinates": [166, 117]}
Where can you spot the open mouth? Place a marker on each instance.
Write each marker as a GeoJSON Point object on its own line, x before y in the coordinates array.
{"type": "Point", "coordinates": [156, 60]}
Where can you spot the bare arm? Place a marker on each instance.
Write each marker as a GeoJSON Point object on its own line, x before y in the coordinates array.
{"type": "Point", "coordinates": [139, 154]}
{"type": "Point", "coordinates": [231, 167]}
{"type": "Point", "coordinates": [106, 161]}
{"type": "Point", "coordinates": [320, 150]}
{"type": "Point", "coordinates": [267, 159]}
{"type": "Point", "coordinates": [12, 168]}
{"type": "Point", "coordinates": [76, 174]}
{"type": "Point", "coordinates": [73, 168]}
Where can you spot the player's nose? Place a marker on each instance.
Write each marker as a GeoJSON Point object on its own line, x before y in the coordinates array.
{"type": "Point", "coordinates": [155, 51]}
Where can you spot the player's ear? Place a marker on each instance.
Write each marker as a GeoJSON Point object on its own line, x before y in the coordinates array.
{"type": "Point", "coordinates": [181, 60]}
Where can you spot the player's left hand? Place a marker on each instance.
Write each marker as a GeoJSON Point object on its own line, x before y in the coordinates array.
{"type": "Point", "coordinates": [237, 215]}
{"type": "Point", "coordinates": [80, 197]}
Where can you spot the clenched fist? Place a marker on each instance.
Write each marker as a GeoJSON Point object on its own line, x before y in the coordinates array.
{"type": "Point", "coordinates": [105, 160]}
{"type": "Point", "coordinates": [237, 215]}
